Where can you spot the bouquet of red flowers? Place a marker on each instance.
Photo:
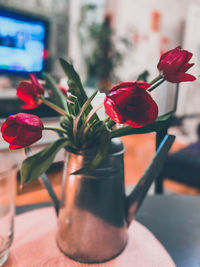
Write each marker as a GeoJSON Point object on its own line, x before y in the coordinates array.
{"type": "Point", "coordinates": [127, 103]}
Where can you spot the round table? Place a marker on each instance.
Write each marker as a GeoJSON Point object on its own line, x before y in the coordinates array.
{"type": "Point", "coordinates": [34, 245]}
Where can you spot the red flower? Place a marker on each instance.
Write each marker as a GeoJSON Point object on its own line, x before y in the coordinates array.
{"type": "Point", "coordinates": [30, 92]}
{"type": "Point", "coordinates": [131, 104]}
{"type": "Point", "coordinates": [22, 130]}
{"type": "Point", "coordinates": [63, 90]}
{"type": "Point", "coordinates": [174, 64]}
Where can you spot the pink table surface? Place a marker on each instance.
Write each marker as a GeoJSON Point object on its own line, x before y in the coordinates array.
{"type": "Point", "coordinates": [35, 246]}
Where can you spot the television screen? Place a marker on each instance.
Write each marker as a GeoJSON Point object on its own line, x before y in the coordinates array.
{"type": "Point", "coordinates": [22, 43]}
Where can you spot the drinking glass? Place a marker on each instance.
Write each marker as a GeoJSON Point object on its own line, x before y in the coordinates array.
{"type": "Point", "coordinates": [8, 170]}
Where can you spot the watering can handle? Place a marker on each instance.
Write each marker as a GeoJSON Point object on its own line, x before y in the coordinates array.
{"type": "Point", "coordinates": [135, 199]}
{"type": "Point", "coordinates": [45, 181]}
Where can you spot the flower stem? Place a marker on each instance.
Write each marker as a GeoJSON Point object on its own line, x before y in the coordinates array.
{"type": "Point", "coordinates": [110, 124]}
{"type": "Point", "coordinates": [127, 130]}
{"type": "Point", "coordinates": [155, 80]}
{"type": "Point", "coordinates": [55, 107]}
{"type": "Point", "coordinates": [156, 85]}
{"type": "Point", "coordinates": [121, 131]}
{"type": "Point", "coordinates": [107, 119]}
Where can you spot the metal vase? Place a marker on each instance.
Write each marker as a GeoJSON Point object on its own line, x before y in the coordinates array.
{"type": "Point", "coordinates": [91, 223]}
{"type": "Point", "coordinates": [94, 211]}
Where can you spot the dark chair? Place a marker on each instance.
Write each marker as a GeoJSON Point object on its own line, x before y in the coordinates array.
{"type": "Point", "coordinates": [182, 166]}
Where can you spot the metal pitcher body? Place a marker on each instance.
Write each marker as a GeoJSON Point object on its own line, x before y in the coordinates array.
{"type": "Point", "coordinates": [91, 221]}
{"type": "Point", "coordinates": [94, 211]}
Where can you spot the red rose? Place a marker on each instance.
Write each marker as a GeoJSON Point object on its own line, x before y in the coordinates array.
{"type": "Point", "coordinates": [22, 130]}
{"type": "Point", "coordinates": [30, 92]}
{"type": "Point", "coordinates": [174, 64]}
{"type": "Point", "coordinates": [131, 104]}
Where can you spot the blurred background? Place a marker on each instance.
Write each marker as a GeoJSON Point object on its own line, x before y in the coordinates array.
{"type": "Point", "coordinates": [108, 41]}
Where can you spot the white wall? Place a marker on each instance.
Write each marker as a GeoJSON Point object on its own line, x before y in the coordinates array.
{"type": "Point", "coordinates": [179, 25]}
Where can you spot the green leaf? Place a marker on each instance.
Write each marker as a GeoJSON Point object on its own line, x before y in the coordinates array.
{"type": "Point", "coordinates": [75, 85]}
{"type": "Point", "coordinates": [74, 82]}
{"type": "Point", "coordinates": [165, 116]}
{"type": "Point", "coordinates": [83, 109]}
{"type": "Point", "coordinates": [67, 122]}
{"type": "Point", "coordinates": [89, 120]}
{"type": "Point", "coordinates": [87, 138]}
{"type": "Point", "coordinates": [105, 139]}
{"type": "Point", "coordinates": [34, 166]}
{"type": "Point", "coordinates": [74, 90]}
{"type": "Point", "coordinates": [153, 127]}
{"type": "Point", "coordinates": [58, 97]}
{"type": "Point", "coordinates": [73, 105]}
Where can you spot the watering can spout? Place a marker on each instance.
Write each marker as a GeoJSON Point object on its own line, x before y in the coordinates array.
{"type": "Point", "coordinates": [136, 197]}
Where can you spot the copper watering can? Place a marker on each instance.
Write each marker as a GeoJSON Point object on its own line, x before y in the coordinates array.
{"type": "Point", "coordinates": [94, 211]}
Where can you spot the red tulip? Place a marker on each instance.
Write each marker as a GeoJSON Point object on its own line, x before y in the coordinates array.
{"type": "Point", "coordinates": [131, 104]}
{"type": "Point", "coordinates": [63, 90]}
{"type": "Point", "coordinates": [174, 64]}
{"type": "Point", "coordinates": [30, 92]}
{"type": "Point", "coordinates": [22, 130]}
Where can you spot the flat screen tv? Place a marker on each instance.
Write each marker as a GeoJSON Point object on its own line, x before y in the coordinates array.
{"type": "Point", "coordinates": [23, 42]}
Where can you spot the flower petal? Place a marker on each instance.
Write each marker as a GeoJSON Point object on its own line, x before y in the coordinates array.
{"type": "Point", "coordinates": [173, 65]}
{"type": "Point", "coordinates": [186, 67]}
{"type": "Point", "coordinates": [38, 88]}
{"type": "Point", "coordinates": [22, 130]}
{"type": "Point", "coordinates": [112, 111]}
{"type": "Point", "coordinates": [26, 93]}
{"type": "Point", "coordinates": [12, 147]}
{"type": "Point", "coordinates": [26, 137]}
{"type": "Point", "coordinates": [131, 104]}
{"type": "Point", "coordinates": [145, 113]}
{"type": "Point", "coordinates": [9, 121]}
{"type": "Point", "coordinates": [30, 93]}
{"type": "Point", "coordinates": [30, 120]}
{"type": "Point", "coordinates": [180, 77]}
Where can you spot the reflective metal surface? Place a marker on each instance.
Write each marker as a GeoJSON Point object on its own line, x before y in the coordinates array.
{"type": "Point", "coordinates": [94, 212]}
{"type": "Point", "coordinates": [91, 222]}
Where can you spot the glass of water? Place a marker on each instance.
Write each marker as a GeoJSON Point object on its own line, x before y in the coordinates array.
{"type": "Point", "coordinates": [8, 170]}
